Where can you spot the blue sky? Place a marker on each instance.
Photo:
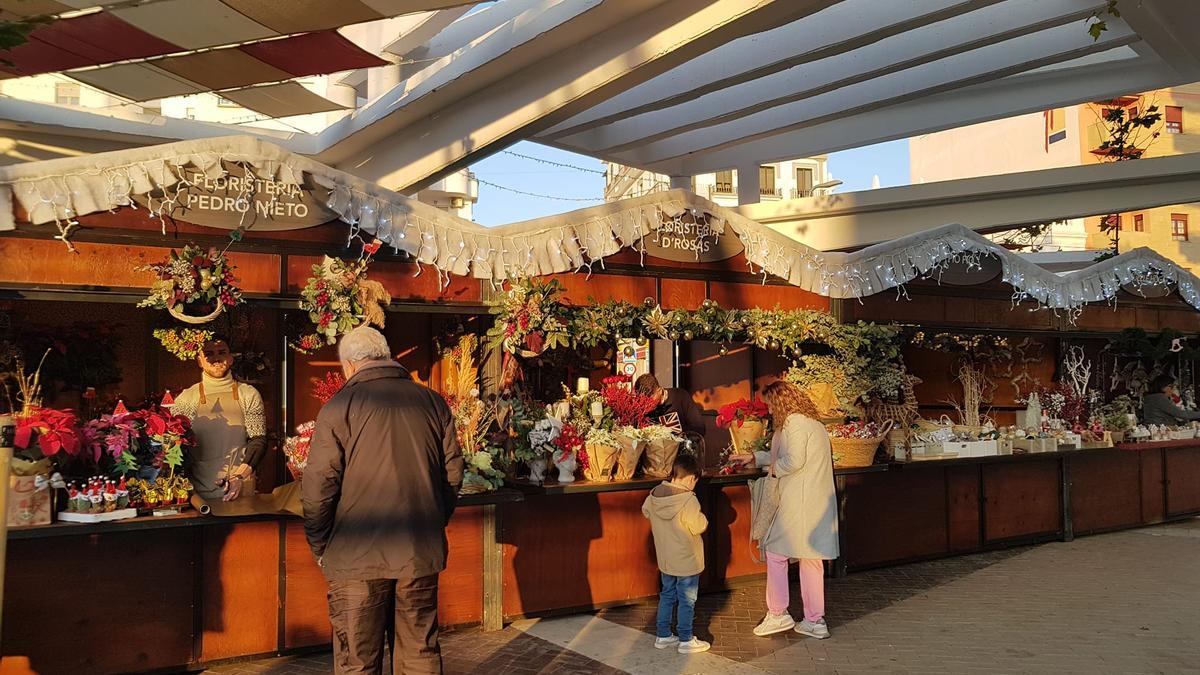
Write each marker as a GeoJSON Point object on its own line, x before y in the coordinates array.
{"type": "Point", "coordinates": [498, 206]}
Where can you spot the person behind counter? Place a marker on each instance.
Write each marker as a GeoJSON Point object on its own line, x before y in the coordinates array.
{"type": "Point", "coordinates": [1158, 405]}
{"type": "Point", "coordinates": [229, 421]}
{"type": "Point", "coordinates": [672, 400]}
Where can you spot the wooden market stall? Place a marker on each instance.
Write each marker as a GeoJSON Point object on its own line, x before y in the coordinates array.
{"type": "Point", "coordinates": [169, 592]}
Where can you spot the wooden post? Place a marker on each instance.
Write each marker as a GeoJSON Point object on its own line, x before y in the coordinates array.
{"type": "Point", "coordinates": [493, 569]}
{"type": "Point", "coordinates": [5, 463]}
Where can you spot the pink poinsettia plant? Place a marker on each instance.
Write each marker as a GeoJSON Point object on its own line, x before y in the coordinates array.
{"type": "Point", "coordinates": [740, 412]}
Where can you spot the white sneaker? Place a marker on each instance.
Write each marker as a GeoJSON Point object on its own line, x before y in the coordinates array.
{"type": "Point", "coordinates": [814, 629]}
{"type": "Point", "coordinates": [773, 624]}
{"type": "Point", "coordinates": [663, 643]}
{"type": "Point", "coordinates": [693, 646]}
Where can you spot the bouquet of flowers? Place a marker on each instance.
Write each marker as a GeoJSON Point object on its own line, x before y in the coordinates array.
{"type": "Point", "coordinates": [740, 412]}
{"type": "Point", "coordinates": [295, 449]}
{"type": "Point", "coordinates": [861, 430]}
{"type": "Point", "coordinates": [193, 277]}
{"type": "Point", "coordinates": [529, 318]}
{"type": "Point", "coordinates": [327, 387]}
{"type": "Point", "coordinates": [184, 343]}
{"type": "Point", "coordinates": [1063, 403]}
{"type": "Point", "coordinates": [629, 408]}
{"type": "Point", "coordinates": [569, 442]}
{"type": "Point", "coordinates": [338, 297]}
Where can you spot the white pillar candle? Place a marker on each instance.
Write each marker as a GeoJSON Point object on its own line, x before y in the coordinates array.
{"type": "Point", "coordinates": [597, 410]}
{"type": "Point", "coordinates": [582, 385]}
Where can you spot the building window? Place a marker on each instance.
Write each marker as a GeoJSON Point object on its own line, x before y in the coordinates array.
{"type": "Point", "coordinates": [190, 113]}
{"type": "Point", "coordinates": [1179, 227]}
{"type": "Point", "coordinates": [223, 102]}
{"type": "Point", "coordinates": [1056, 125]}
{"type": "Point", "coordinates": [1174, 119]}
{"type": "Point", "coordinates": [766, 180]}
{"type": "Point", "coordinates": [725, 182]}
{"type": "Point", "coordinates": [1113, 222]}
{"type": "Point", "coordinates": [66, 93]}
{"type": "Point", "coordinates": [804, 183]}
{"type": "Point", "coordinates": [1138, 225]}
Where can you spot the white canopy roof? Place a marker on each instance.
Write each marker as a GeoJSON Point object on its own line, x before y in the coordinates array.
{"type": "Point", "coordinates": [684, 87]}
{"type": "Point", "coordinates": [59, 190]}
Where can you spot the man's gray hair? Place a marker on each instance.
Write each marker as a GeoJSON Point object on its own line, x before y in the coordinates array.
{"type": "Point", "coordinates": [364, 344]}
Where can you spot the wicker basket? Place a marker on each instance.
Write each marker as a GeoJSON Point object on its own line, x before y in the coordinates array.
{"type": "Point", "coordinates": [855, 452]}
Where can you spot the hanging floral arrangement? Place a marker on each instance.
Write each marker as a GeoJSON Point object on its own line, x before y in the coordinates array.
{"type": "Point", "coordinates": [194, 285]}
{"type": "Point", "coordinates": [185, 343]}
{"type": "Point", "coordinates": [530, 319]}
{"type": "Point", "coordinates": [338, 297]}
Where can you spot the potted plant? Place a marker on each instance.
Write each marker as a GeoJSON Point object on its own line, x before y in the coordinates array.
{"type": "Point", "coordinates": [746, 421]}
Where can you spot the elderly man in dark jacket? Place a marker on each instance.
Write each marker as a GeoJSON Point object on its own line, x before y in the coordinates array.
{"type": "Point", "coordinates": [381, 482]}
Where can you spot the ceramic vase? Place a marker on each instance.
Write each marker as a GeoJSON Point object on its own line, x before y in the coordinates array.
{"type": "Point", "coordinates": [537, 469]}
{"type": "Point", "coordinates": [566, 468]}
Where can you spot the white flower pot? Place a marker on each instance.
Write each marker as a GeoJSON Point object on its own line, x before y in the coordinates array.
{"type": "Point", "coordinates": [566, 469]}
{"type": "Point", "coordinates": [537, 469]}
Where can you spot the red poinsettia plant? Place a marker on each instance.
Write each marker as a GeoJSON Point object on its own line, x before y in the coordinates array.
{"type": "Point", "coordinates": [629, 408]}
{"type": "Point", "coordinates": [740, 412]}
{"type": "Point", "coordinates": [570, 441]}
{"type": "Point", "coordinates": [53, 430]}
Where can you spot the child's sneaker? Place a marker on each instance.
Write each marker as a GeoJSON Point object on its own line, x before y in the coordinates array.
{"type": "Point", "coordinates": [773, 624]}
{"type": "Point", "coordinates": [663, 643]}
{"type": "Point", "coordinates": [814, 629]}
{"type": "Point", "coordinates": [693, 646]}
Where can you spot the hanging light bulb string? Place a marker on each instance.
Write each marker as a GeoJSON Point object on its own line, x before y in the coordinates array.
{"type": "Point", "coordinates": [539, 196]}
{"type": "Point", "coordinates": [550, 162]}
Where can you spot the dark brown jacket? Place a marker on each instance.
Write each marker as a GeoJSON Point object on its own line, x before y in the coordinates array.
{"type": "Point", "coordinates": [382, 478]}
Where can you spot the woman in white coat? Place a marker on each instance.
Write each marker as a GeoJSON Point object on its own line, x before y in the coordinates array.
{"type": "Point", "coordinates": [806, 526]}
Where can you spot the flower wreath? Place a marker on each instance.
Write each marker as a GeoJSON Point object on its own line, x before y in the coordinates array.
{"type": "Point", "coordinates": [195, 278]}
{"type": "Point", "coordinates": [338, 297]}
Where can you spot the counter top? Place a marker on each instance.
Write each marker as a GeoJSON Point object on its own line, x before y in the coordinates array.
{"type": "Point", "coordinates": [191, 518]}
{"type": "Point", "coordinates": [1034, 456]}
{"type": "Point", "coordinates": [552, 487]}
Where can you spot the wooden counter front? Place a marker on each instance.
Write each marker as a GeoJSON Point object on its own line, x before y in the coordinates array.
{"type": "Point", "coordinates": [177, 592]}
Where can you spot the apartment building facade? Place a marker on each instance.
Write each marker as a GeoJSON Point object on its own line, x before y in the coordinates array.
{"type": "Point", "coordinates": [1072, 136]}
{"type": "Point", "coordinates": [792, 179]}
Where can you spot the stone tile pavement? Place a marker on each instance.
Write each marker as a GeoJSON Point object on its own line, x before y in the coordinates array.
{"type": "Point", "coordinates": [1127, 602]}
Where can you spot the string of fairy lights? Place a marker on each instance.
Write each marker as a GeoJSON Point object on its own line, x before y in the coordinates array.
{"type": "Point", "coordinates": [457, 247]}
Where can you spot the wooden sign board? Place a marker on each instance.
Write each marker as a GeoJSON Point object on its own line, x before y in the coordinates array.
{"type": "Point", "coordinates": [692, 242]}
{"type": "Point", "coordinates": [241, 199]}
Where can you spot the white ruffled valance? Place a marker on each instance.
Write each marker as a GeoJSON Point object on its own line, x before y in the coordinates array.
{"type": "Point", "coordinates": [57, 191]}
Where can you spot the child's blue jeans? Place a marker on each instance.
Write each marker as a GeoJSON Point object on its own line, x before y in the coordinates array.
{"type": "Point", "coordinates": [682, 591]}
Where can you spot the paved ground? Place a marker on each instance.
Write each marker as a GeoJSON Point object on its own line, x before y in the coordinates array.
{"type": "Point", "coordinates": [1125, 603]}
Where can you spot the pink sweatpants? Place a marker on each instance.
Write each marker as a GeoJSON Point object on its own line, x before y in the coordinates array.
{"type": "Point", "coordinates": [812, 586]}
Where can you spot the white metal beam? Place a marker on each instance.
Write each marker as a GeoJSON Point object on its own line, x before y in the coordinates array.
{"type": "Point", "coordinates": [988, 204]}
{"type": "Point", "coordinates": [926, 44]}
{"type": "Point", "coordinates": [988, 63]}
{"type": "Point", "coordinates": [633, 44]}
{"type": "Point", "coordinates": [971, 105]}
{"type": "Point", "coordinates": [841, 28]}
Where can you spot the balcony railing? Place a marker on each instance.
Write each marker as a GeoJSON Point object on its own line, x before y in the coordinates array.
{"type": "Point", "coordinates": [797, 193]}
{"type": "Point", "coordinates": [775, 193]}
{"type": "Point", "coordinates": [720, 189]}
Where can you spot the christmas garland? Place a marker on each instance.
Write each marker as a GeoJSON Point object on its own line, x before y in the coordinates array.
{"type": "Point", "coordinates": [860, 358]}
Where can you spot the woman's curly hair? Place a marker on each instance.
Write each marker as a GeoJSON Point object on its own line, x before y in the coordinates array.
{"type": "Point", "coordinates": [784, 398]}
